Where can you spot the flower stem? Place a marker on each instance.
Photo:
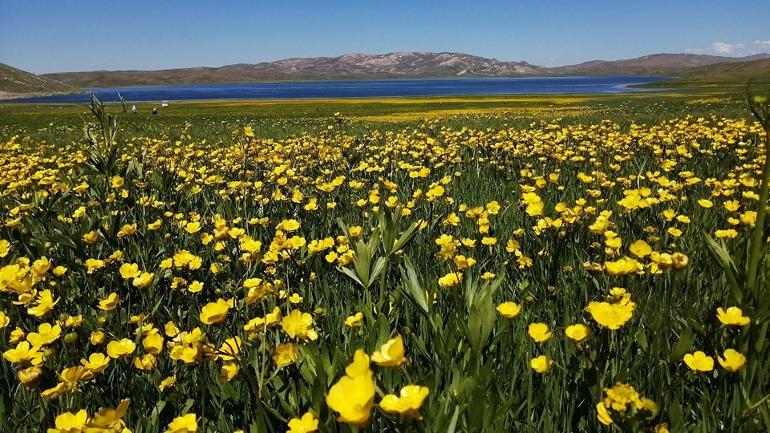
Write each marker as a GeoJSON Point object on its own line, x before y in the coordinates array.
{"type": "Point", "coordinates": [757, 239]}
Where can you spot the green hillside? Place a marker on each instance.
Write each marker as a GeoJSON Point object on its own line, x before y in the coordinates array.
{"type": "Point", "coordinates": [15, 83]}
{"type": "Point", "coordinates": [757, 71]}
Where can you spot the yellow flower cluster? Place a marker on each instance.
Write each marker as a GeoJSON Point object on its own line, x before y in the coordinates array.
{"type": "Point", "coordinates": [240, 269]}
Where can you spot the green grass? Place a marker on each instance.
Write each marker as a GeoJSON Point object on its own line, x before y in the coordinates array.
{"type": "Point", "coordinates": [475, 363]}
{"type": "Point", "coordinates": [281, 118]}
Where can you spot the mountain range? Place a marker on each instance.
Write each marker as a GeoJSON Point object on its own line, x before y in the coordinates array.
{"type": "Point", "coordinates": [693, 67]}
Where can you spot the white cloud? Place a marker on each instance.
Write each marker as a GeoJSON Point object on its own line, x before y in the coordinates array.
{"type": "Point", "coordinates": [724, 47]}
{"type": "Point", "coordinates": [762, 43]}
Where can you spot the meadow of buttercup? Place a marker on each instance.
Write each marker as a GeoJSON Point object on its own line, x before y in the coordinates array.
{"type": "Point", "coordinates": [577, 277]}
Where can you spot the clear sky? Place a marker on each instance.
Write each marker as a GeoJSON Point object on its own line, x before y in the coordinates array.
{"type": "Point", "coordinates": [73, 35]}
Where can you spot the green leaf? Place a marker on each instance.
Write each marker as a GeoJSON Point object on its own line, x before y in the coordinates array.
{"type": "Point", "coordinates": [682, 346]}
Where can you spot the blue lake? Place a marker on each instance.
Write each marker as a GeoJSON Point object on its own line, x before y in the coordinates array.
{"type": "Point", "coordinates": [360, 89]}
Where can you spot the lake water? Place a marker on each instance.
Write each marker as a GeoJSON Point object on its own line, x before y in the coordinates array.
{"type": "Point", "coordinates": [362, 88]}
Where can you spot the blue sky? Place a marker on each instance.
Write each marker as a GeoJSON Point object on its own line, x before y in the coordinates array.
{"type": "Point", "coordinates": [70, 35]}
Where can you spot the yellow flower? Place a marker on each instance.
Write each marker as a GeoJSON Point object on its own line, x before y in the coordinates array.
{"type": "Point", "coordinates": [72, 375]}
{"type": "Point", "coordinates": [602, 414]}
{"type": "Point", "coordinates": [391, 354]}
{"type": "Point", "coordinates": [308, 423]}
{"type": "Point", "coordinates": [640, 249]}
{"type": "Point", "coordinates": [230, 349]}
{"type": "Point", "coordinates": [143, 280]}
{"type": "Point", "coordinates": [214, 312]}
{"type": "Point", "coordinates": [4, 320]}
{"type": "Point", "coordinates": [145, 362]}
{"type": "Point", "coordinates": [46, 334]}
{"type": "Point", "coordinates": [699, 361]}
{"type": "Point", "coordinates": [705, 203]}
{"type": "Point", "coordinates": [5, 247]}
{"type": "Point", "coordinates": [407, 404]}
{"type": "Point", "coordinates": [166, 383]}
{"type": "Point", "coordinates": [732, 205]}
{"type": "Point", "coordinates": [577, 332]}
{"type": "Point", "coordinates": [353, 395]}
{"type": "Point", "coordinates": [120, 348]}
{"type": "Point", "coordinates": [538, 332]}
{"type": "Point", "coordinates": [59, 271]}
{"type": "Point", "coordinates": [44, 303]}
{"type": "Point", "coordinates": [288, 225]}
{"type": "Point", "coordinates": [360, 365]}
{"type": "Point", "coordinates": [56, 391]}
{"type": "Point", "coordinates": [153, 343]}
{"type": "Point", "coordinates": [183, 424]}
{"type": "Point", "coordinates": [110, 302]}
{"type": "Point", "coordinates": [451, 279]}
{"type": "Point", "coordinates": [285, 354]}
{"type": "Point", "coordinates": [727, 233]}
{"type": "Point", "coordinates": [732, 360]}
{"type": "Point", "coordinates": [611, 316]}
{"type": "Point", "coordinates": [679, 260]}
{"type": "Point", "coordinates": [40, 266]}
{"type": "Point", "coordinates": [462, 262]}
{"type": "Point", "coordinates": [97, 337]}
{"type": "Point", "coordinates": [192, 227]}
{"type": "Point", "coordinates": [229, 371]}
{"type": "Point", "coordinates": [129, 270]}
{"type": "Point", "coordinates": [541, 364]}
{"type": "Point", "coordinates": [117, 182]}
{"type": "Point", "coordinates": [623, 266]}
{"type": "Point", "coordinates": [91, 237]}
{"type": "Point", "coordinates": [29, 375]}
{"type": "Point", "coordinates": [110, 419]}
{"type": "Point", "coordinates": [195, 287]}
{"type": "Point", "coordinates": [488, 241]}
{"type": "Point", "coordinates": [299, 325]}
{"type": "Point", "coordinates": [127, 230]}
{"type": "Point", "coordinates": [534, 203]}
{"type": "Point", "coordinates": [509, 309]}
{"type": "Point", "coordinates": [69, 422]}
{"type": "Point", "coordinates": [96, 362]}
{"type": "Point", "coordinates": [733, 316]}
{"type": "Point", "coordinates": [24, 354]}
{"type": "Point", "coordinates": [355, 320]}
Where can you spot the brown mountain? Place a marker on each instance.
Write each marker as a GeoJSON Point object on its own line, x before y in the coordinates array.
{"type": "Point", "coordinates": [757, 71]}
{"type": "Point", "coordinates": [15, 83]}
{"type": "Point", "coordinates": [654, 64]}
{"type": "Point", "coordinates": [350, 66]}
{"type": "Point", "coordinates": [692, 67]}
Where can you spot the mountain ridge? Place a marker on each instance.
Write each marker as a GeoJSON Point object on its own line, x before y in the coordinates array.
{"type": "Point", "coordinates": [410, 64]}
{"type": "Point", "coordinates": [652, 64]}
{"type": "Point", "coordinates": [16, 83]}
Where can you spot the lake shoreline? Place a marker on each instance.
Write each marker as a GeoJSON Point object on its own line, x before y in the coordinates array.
{"type": "Point", "coordinates": [350, 89]}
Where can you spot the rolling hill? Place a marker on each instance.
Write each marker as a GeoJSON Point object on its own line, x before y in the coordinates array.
{"type": "Point", "coordinates": [15, 83]}
{"type": "Point", "coordinates": [393, 65]}
{"type": "Point", "coordinates": [654, 64]}
{"type": "Point", "coordinates": [350, 66]}
{"type": "Point", "coordinates": [688, 68]}
{"type": "Point", "coordinates": [757, 71]}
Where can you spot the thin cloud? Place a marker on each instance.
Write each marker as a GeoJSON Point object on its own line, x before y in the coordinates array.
{"type": "Point", "coordinates": [762, 43]}
{"type": "Point", "coordinates": [725, 47]}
